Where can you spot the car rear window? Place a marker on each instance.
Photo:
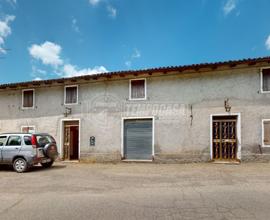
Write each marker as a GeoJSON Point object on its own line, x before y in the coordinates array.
{"type": "Point", "coordinates": [43, 140]}
{"type": "Point", "coordinates": [3, 140]}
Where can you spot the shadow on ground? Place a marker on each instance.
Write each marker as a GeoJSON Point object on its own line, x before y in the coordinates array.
{"type": "Point", "coordinates": [39, 168]}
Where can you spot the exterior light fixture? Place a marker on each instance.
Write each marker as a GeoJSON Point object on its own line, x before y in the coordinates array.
{"type": "Point", "coordinates": [227, 105]}
{"type": "Point", "coordinates": [67, 111]}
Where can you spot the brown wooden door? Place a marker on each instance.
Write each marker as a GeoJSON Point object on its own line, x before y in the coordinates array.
{"type": "Point", "coordinates": [66, 154]}
{"type": "Point", "coordinates": [71, 141]}
{"type": "Point", "coordinates": [74, 143]}
{"type": "Point", "coordinates": [224, 138]}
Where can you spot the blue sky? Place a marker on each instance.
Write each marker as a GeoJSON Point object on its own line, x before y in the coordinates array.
{"type": "Point", "coordinates": [42, 39]}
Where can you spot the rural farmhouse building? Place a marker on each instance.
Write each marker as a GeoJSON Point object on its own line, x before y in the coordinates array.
{"type": "Point", "coordinates": [202, 112]}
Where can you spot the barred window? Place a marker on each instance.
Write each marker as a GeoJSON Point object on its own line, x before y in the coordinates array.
{"type": "Point", "coordinates": [71, 94]}
{"type": "Point", "coordinates": [137, 89]}
{"type": "Point", "coordinates": [28, 98]}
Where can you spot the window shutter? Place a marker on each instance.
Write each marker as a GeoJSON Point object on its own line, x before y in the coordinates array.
{"type": "Point", "coordinates": [28, 99]}
{"type": "Point", "coordinates": [266, 79]}
{"type": "Point", "coordinates": [137, 89]}
{"type": "Point", "coordinates": [71, 95]}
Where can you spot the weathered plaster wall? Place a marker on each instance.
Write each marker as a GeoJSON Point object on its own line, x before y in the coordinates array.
{"type": "Point", "coordinates": [102, 104]}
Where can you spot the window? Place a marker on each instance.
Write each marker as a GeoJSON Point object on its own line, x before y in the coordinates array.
{"type": "Point", "coordinates": [28, 98]}
{"type": "Point", "coordinates": [266, 133]}
{"type": "Point", "coordinates": [3, 140]}
{"type": "Point", "coordinates": [71, 95]}
{"type": "Point", "coordinates": [265, 80]}
{"type": "Point", "coordinates": [137, 90]}
{"type": "Point", "coordinates": [27, 140]}
{"type": "Point", "coordinates": [43, 140]}
{"type": "Point", "coordinates": [28, 129]}
{"type": "Point", "coordinates": [14, 141]}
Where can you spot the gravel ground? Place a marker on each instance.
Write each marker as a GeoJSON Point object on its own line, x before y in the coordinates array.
{"type": "Point", "coordinates": [137, 191]}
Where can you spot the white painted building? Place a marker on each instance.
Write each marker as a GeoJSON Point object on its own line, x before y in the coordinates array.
{"type": "Point", "coordinates": [217, 111]}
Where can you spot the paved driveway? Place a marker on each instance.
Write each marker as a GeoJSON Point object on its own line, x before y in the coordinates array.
{"type": "Point", "coordinates": [137, 191]}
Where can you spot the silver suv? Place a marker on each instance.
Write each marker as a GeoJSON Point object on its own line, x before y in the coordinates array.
{"type": "Point", "coordinates": [23, 150]}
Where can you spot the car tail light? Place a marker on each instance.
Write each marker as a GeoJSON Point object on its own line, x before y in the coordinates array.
{"type": "Point", "coordinates": [34, 141]}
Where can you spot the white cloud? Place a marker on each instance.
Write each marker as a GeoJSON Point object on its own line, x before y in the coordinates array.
{"type": "Point", "coordinates": [229, 6]}
{"type": "Point", "coordinates": [38, 74]}
{"type": "Point", "coordinates": [112, 11]}
{"type": "Point", "coordinates": [37, 79]}
{"type": "Point", "coordinates": [5, 30]}
{"type": "Point", "coordinates": [12, 2]}
{"type": "Point", "coordinates": [94, 2]}
{"type": "Point", "coordinates": [71, 70]}
{"type": "Point", "coordinates": [36, 70]}
{"type": "Point", "coordinates": [128, 63]}
{"type": "Point", "coordinates": [48, 53]}
{"type": "Point", "coordinates": [74, 25]}
{"type": "Point", "coordinates": [267, 43]}
{"type": "Point", "coordinates": [136, 53]}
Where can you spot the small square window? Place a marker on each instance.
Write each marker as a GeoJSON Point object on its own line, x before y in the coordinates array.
{"type": "Point", "coordinates": [28, 129]}
{"type": "Point", "coordinates": [28, 98]}
{"type": "Point", "coordinates": [138, 89]}
{"type": "Point", "coordinates": [71, 95]}
{"type": "Point", "coordinates": [266, 80]}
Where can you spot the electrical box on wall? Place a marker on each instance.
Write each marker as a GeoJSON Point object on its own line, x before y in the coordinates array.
{"type": "Point", "coordinates": [92, 141]}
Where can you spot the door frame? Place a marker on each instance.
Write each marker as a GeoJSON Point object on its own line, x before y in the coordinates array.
{"type": "Point", "coordinates": [238, 133]}
{"type": "Point", "coordinates": [62, 136]}
{"type": "Point", "coordinates": [123, 130]}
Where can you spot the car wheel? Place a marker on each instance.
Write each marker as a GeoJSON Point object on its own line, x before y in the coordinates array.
{"type": "Point", "coordinates": [47, 165]}
{"type": "Point", "coordinates": [20, 165]}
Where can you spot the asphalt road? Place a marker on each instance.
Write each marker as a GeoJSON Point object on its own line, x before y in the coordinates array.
{"type": "Point", "coordinates": [137, 191]}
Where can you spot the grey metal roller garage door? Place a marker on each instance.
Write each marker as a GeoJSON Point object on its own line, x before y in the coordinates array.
{"type": "Point", "coordinates": [138, 139]}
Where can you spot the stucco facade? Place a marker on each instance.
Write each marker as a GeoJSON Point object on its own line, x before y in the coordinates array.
{"type": "Point", "coordinates": [181, 105]}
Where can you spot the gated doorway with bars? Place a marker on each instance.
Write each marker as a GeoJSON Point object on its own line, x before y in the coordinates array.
{"type": "Point", "coordinates": [225, 136]}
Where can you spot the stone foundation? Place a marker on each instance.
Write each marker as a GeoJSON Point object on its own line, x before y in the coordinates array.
{"type": "Point", "coordinates": [181, 158]}
{"type": "Point", "coordinates": [196, 156]}
{"type": "Point", "coordinates": [100, 157]}
{"type": "Point", "coordinates": [255, 158]}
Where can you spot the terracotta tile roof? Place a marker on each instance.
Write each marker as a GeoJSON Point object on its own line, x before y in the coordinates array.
{"type": "Point", "coordinates": [196, 67]}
